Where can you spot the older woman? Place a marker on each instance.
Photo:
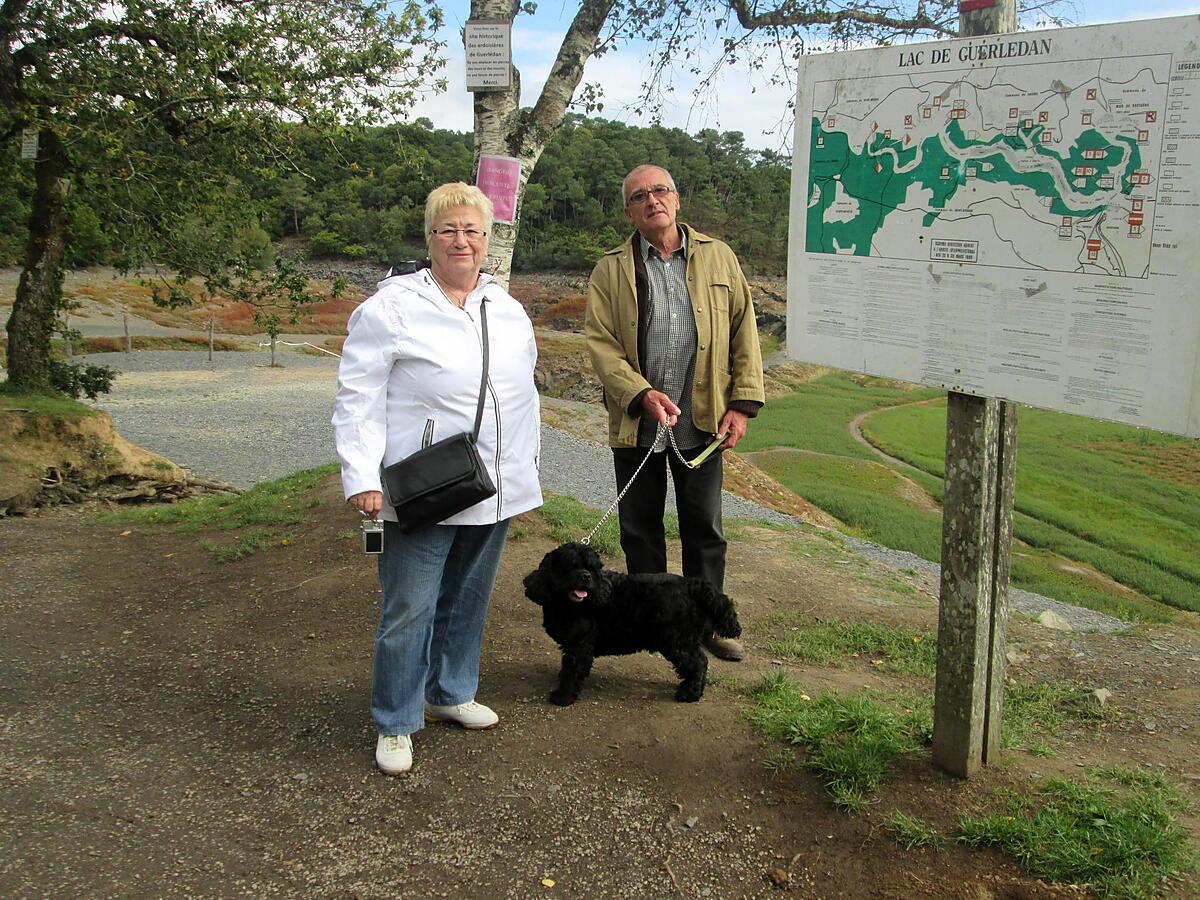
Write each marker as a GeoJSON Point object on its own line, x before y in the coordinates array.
{"type": "Point", "coordinates": [409, 376]}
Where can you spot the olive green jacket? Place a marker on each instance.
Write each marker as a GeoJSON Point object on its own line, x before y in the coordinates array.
{"type": "Point", "coordinates": [728, 360]}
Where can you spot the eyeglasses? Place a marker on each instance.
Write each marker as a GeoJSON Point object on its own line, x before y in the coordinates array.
{"type": "Point", "coordinates": [658, 192]}
{"type": "Point", "coordinates": [447, 233]}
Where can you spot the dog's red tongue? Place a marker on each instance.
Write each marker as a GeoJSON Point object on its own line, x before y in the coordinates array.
{"type": "Point", "coordinates": [580, 595]}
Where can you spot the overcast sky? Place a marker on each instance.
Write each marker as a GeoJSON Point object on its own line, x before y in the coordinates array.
{"type": "Point", "coordinates": [732, 107]}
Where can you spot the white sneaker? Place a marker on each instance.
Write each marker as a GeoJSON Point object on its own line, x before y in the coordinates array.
{"type": "Point", "coordinates": [468, 715]}
{"type": "Point", "coordinates": [393, 753]}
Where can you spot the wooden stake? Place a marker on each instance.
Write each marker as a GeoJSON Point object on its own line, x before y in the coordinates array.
{"type": "Point", "coordinates": [973, 613]}
{"type": "Point", "coordinates": [981, 446]}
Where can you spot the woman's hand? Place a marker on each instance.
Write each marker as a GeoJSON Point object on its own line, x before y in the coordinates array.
{"type": "Point", "coordinates": [368, 502]}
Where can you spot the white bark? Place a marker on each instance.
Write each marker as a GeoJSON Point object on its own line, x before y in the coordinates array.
{"type": "Point", "coordinates": [504, 129]}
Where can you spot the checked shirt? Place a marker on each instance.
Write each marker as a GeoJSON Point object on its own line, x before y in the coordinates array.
{"type": "Point", "coordinates": [670, 342]}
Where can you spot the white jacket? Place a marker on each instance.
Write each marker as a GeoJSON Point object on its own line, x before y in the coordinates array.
{"type": "Point", "coordinates": [410, 375]}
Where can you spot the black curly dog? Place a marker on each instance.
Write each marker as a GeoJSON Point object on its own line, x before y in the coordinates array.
{"type": "Point", "coordinates": [590, 612]}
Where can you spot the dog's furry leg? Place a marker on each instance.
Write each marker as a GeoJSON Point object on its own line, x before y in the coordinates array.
{"type": "Point", "coordinates": [692, 666]}
{"type": "Point", "coordinates": [575, 668]}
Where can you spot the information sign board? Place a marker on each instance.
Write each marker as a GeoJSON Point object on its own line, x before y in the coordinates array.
{"type": "Point", "coordinates": [1008, 216]}
{"type": "Point", "coordinates": [489, 54]}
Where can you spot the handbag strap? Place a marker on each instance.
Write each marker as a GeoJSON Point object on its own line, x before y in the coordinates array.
{"type": "Point", "coordinates": [483, 379]}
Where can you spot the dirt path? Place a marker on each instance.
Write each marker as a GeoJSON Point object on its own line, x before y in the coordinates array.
{"type": "Point", "coordinates": [172, 725]}
{"type": "Point", "coordinates": [855, 428]}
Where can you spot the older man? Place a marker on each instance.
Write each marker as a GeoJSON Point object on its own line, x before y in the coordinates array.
{"type": "Point", "coordinates": [670, 328]}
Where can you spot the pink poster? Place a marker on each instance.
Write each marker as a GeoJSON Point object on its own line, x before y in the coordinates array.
{"type": "Point", "coordinates": [498, 178]}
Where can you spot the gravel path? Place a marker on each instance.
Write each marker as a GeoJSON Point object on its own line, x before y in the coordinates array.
{"type": "Point", "coordinates": [242, 422]}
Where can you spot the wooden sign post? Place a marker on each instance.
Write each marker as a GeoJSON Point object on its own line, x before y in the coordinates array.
{"type": "Point", "coordinates": [981, 448]}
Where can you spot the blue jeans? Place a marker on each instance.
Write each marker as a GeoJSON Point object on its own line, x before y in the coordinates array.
{"type": "Point", "coordinates": [437, 583]}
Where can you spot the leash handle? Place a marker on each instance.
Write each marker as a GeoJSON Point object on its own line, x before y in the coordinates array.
{"type": "Point", "coordinates": [702, 456]}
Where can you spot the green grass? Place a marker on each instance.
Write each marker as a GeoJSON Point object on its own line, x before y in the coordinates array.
{"type": "Point", "coordinates": [1084, 490]}
{"type": "Point", "coordinates": [850, 740]}
{"type": "Point", "coordinates": [1037, 569]}
{"type": "Point", "coordinates": [45, 403]}
{"type": "Point", "coordinates": [570, 520]}
{"type": "Point", "coordinates": [815, 416]}
{"type": "Point", "coordinates": [742, 529]}
{"type": "Point", "coordinates": [155, 342]}
{"type": "Point", "coordinates": [767, 344]}
{"type": "Point", "coordinates": [1034, 710]}
{"type": "Point", "coordinates": [864, 495]}
{"type": "Point", "coordinates": [1122, 843]}
{"type": "Point", "coordinates": [910, 832]}
{"type": "Point", "coordinates": [902, 650]}
{"type": "Point", "coordinates": [1104, 460]}
{"type": "Point", "coordinates": [248, 543]}
{"type": "Point", "coordinates": [261, 515]}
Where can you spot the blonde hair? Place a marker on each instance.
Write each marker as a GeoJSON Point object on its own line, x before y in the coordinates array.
{"type": "Point", "coordinates": [456, 193]}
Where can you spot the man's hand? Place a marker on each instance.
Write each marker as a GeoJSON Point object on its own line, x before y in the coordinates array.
{"type": "Point", "coordinates": [660, 407]}
{"type": "Point", "coordinates": [368, 502]}
{"type": "Point", "coordinates": [733, 423]}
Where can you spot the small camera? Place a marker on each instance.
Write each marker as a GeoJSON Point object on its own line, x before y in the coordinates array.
{"type": "Point", "coordinates": [372, 536]}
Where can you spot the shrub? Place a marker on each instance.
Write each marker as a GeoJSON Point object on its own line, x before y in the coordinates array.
{"type": "Point", "coordinates": [253, 242]}
{"type": "Point", "coordinates": [77, 380]}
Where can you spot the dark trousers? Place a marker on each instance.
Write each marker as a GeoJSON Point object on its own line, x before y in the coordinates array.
{"type": "Point", "coordinates": [698, 500]}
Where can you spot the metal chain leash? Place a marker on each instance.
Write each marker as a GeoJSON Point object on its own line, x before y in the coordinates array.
{"type": "Point", "coordinates": [657, 436]}
{"type": "Point", "coordinates": [674, 446]}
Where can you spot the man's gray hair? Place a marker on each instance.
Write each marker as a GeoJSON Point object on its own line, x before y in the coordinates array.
{"type": "Point", "coordinates": [642, 168]}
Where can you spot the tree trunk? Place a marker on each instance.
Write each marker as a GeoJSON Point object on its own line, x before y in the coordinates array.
{"type": "Point", "coordinates": [504, 129]}
{"type": "Point", "coordinates": [39, 293]}
{"type": "Point", "coordinates": [495, 124]}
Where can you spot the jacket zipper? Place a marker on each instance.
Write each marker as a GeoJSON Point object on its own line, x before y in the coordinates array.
{"type": "Point", "coordinates": [499, 441]}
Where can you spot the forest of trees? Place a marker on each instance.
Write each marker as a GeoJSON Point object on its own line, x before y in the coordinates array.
{"type": "Point", "coordinates": [363, 195]}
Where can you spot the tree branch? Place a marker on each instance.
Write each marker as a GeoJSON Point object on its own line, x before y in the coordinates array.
{"type": "Point", "coordinates": [578, 45]}
{"type": "Point", "coordinates": [10, 15]}
{"type": "Point", "coordinates": [94, 31]}
{"type": "Point", "coordinates": [790, 13]}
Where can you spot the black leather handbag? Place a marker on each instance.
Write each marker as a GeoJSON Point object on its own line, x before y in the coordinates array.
{"type": "Point", "coordinates": [446, 477]}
